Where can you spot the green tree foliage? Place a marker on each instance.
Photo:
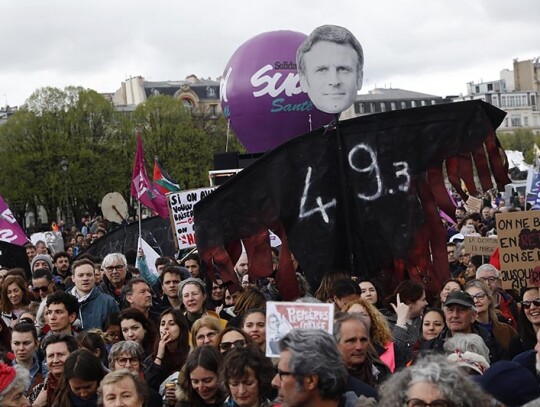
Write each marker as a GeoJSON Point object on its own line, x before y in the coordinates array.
{"type": "Point", "coordinates": [99, 144]}
{"type": "Point", "coordinates": [520, 140]}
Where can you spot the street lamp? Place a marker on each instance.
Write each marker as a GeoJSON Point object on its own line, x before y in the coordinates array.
{"type": "Point", "coordinates": [64, 165]}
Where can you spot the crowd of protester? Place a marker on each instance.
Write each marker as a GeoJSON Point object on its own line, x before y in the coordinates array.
{"type": "Point", "coordinates": [83, 331]}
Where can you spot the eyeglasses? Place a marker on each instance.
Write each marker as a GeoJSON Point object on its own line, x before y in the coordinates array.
{"type": "Point", "coordinates": [479, 296]}
{"type": "Point", "coordinates": [282, 373]}
{"type": "Point", "coordinates": [118, 267]}
{"type": "Point", "coordinates": [527, 304]}
{"type": "Point", "coordinates": [210, 335]}
{"type": "Point", "coordinates": [225, 346]}
{"type": "Point", "coordinates": [422, 403]}
{"type": "Point", "coordinates": [123, 361]}
{"type": "Point", "coordinates": [490, 280]}
{"type": "Point", "coordinates": [43, 289]}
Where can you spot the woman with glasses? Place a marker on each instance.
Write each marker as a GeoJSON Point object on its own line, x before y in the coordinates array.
{"type": "Point", "coordinates": [129, 355]}
{"type": "Point", "coordinates": [432, 381]}
{"type": "Point", "coordinates": [230, 338]}
{"type": "Point", "coordinates": [529, 322]}
{"type": "Point", "coordinates": [198, 385]}
{"type": "Point", "coordinates": [205, 331]}
{"type": "Point", "coordinates": [247, 375]}
{"type": "Point", "coordinates": [14, 299]}
{"type": "Point", "coordinates": [487, 317]}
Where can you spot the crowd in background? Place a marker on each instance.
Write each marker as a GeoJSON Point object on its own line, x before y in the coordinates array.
{"type": "Point", "coordinates": [87, 331]}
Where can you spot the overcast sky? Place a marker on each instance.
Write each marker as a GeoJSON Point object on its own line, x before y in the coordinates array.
{"type": "Point", "coordinates": [430, 46]}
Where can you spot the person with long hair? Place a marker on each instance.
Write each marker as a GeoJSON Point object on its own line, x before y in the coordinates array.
{"type": "Point", "coordinates": [324, 292]}
{"type": "Point", "coordinates": [254, 324]}
{"type": "Point", "coordinates": [83, 372]}
{"type": "Point", "coordinates": [373, 293]}
{"type": "Point", "coordinates": [136, 327]}
{"type": "Point", "coordinates": [232, 337]}
{"type": "Point", "coordinates": [529, 322]}
{"type": "Point", "coordinates": [205, 331]}
{"type": "Point", "coordinates": [486, 315]}
{"type": "Point", "coordinates": [248, 375]}
{"type": "Point", "coordinates": [171, 348]}
{"type": "Point", "coordinates": [198, 385]}
{"type": "Point", "coordinates": [14, 299]}
{"type": "Point", "coordinates": [408, 302]}
{"type": "Point", "coordinates": [452, 284]}
{"type": "Point", "coordinates": [249, 299]}
{"type": "Point", "coordinates": [379, 332]}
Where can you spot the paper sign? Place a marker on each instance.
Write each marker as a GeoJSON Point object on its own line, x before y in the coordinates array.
{"type": "Point", "coordinates": [480, 246]}
{"type": "Point", "coordinates": [474, 204]}
{"type": "Point", "coordinates": [181, 210]}
{"type": "Point", "coordinates": [519, 242]}
{"type": "Point", "coordinates": [281, 317]}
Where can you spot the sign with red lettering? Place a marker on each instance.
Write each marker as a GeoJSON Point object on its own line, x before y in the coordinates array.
{"type": "Point", "coordinates": [181, 211]}
{"type": "Point", "coordinates": [519, 248]}
{"type": "Point", "coordinates": [281, 317]}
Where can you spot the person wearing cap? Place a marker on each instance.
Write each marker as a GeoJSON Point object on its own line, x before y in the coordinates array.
{"type": "Point", "coordinates": [13, 381]}
{"type": "Point", "coordinates": [41, 261]}
{"type": "Point", "coordinates": [192, 292]}
{"type": "Point", "coordinates": [460, 313]}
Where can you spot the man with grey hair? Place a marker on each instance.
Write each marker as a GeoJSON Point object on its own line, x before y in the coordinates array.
{"type": "Point", "coordinates": [351, 332]}
{"type": "Point", "coordinates": [460, 313]}
{"type": "Point", "coordinates": [330, 65]}
{"type": "Point", "coordinates": [116, 276]}
{"type": "Point", "coordinates": [310, 371]}
{"type": "Point", "coordinates": [501, 299]}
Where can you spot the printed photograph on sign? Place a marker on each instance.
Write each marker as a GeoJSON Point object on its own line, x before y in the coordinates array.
{"type": "Point", "coordinates": [281, 317]}
{"type": "Point", "coordinates": [519, 248]}
{"type": "Point", "coordinates": [181, 209]}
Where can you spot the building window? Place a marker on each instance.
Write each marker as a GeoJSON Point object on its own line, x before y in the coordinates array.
{"type": "Point", "coordinates": [433, 101]}
{"type": "Point", "coordinates": [372, 108]}
{"type": "Point", "coordinates": [404, 105]}
{"type": "Point", "coordinates": [506, 122]}
{"type": "Point", "coordinates": [477, 89]}
{"type": "Point", "coordinates": [383, 107]}
{"type": "Point", "coordinates": [213, 111]}
{"type": "Point", "coordinates": [413, 103]}
{"type": "Point", "coordinates": [516, 120]}
{"type": "Point", "coordinates": [210, 91]}
{"type": "Point", "coordinates": [392, 105]}
{"type": "Point", "coordinates": [360, 108]}
{"type": "Point", "coordinates": [423, 102]}
{"type": "Point", "coordinates": [494, 100]}
{"type": "Point", "coordinates": [525, 121]}
{"type": "Point", "coordinates": [490, 87]}
{"type": "Point", "coordinates": [187, 103]}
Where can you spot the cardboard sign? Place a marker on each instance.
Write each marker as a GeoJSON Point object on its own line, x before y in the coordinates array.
{"type": "Point", "coordinates": [480, 246]}
{"type": "Point", "coordinates": [474, 204]}
{"type": "Point", "coordinates": [281, 317]}
{"type": "Point", "coordinates": [181, 211]}
{"type": "Point", "coordinates": [519, 243]}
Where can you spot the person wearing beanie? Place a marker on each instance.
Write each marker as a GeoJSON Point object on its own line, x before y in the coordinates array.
{"type": "Point", "coordinates": [41, 261]}
{"type": "Point", "coordinates": [510, 383]}
{"type": "Point", "coordinates": [192, 292]}
{"type": "Point", "coordinates": [13, 381]}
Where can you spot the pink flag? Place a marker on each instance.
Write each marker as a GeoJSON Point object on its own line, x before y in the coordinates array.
{"type": "Point", "coordinates": [143, 189]}
{"type": "Point", "coordinates": [10, 231]}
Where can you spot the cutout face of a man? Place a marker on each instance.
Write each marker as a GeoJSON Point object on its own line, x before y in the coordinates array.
{"type": "Point", "coordinates": [330, 68]}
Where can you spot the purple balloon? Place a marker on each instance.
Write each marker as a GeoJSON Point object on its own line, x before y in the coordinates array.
{"type": "Point", "coordinates": [261, 94]}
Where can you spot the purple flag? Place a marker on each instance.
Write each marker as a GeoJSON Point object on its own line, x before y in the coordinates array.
{"type": "Point", "coordinates": [143, 189]}
{"type": "Point", "coordinates": [10, 231]}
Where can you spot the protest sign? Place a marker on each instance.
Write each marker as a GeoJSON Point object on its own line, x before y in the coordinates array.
{"type": "Point", "coordinates": [474, 204]}
{"type": "Point", "coordinates": [519, 242]}
{"type": "Point", "coordinates": [480, 246]}
{"type": "Point", "coordinates": [181, 211]}
{"type": "Point", "coordinates": [281, 317]}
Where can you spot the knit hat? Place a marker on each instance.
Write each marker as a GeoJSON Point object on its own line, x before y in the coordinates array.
{"type": "Point", "coordinates": [44, 257]}
{"type": "Point", "coordinates": [192, 280]}
{"type": "Point", "coordinates": [7, 375]}
{"type": "Point", "coordinates": [510, 383]}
